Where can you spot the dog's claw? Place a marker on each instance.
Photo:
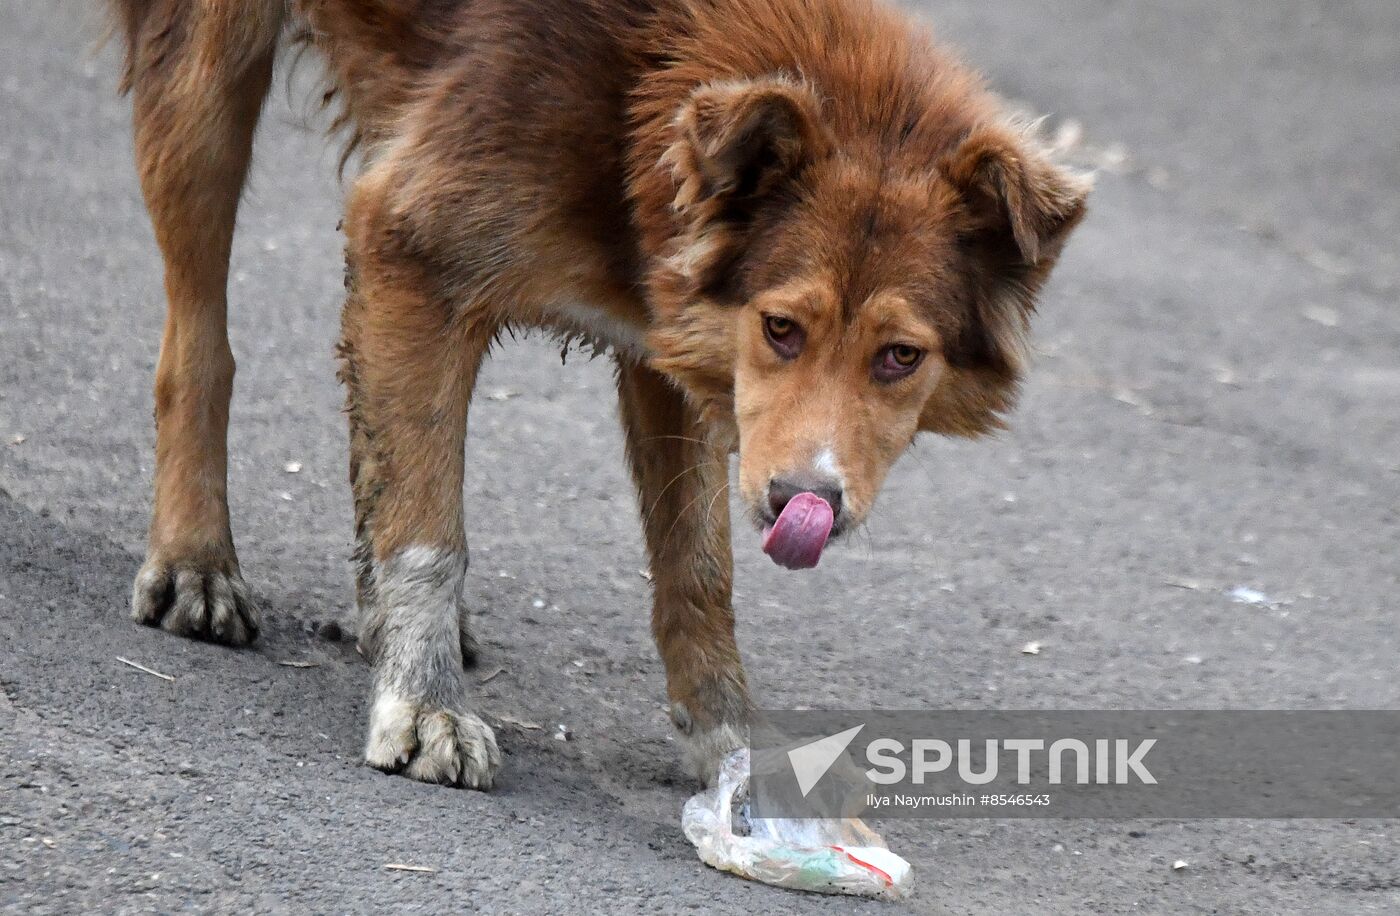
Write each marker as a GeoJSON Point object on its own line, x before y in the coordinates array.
{"type": "Point", "coordinates": [200, 603]}
{"type": "Point", "coordinates": [431, 745]}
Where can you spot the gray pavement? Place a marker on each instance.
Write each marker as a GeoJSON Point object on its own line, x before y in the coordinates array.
{"type": "Point", "coordinates": [1215, 405]}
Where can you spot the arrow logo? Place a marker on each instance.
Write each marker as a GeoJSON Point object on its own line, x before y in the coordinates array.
{"type": "Point", "coordinates": [811, 761]}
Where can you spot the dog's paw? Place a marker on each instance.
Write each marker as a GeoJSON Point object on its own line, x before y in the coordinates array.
{"type": "Point", "coordinates": [202, 601]}
{"type": "Point", "coordinates": [704, 749]}
{"type": "Point", "coordinates": [431, 744]}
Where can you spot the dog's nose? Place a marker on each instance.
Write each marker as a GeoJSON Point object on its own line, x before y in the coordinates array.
{"type": "Point", "coordinates": [782, 489]}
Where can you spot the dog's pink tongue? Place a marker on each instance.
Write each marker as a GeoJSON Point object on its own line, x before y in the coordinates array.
{"type": "Point", "coordinates": [798, 536]}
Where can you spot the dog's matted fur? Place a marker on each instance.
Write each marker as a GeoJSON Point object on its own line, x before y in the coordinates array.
{"type": "Point", "coordinates": [804, 231]}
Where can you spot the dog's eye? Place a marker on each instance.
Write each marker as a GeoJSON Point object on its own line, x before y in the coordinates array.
{"type": "Point", "coordinates": [784, 335]}
{"type": "Point", "coordinates": [895, 362]}
{"type": "Point", "coordinates": [905, 355]}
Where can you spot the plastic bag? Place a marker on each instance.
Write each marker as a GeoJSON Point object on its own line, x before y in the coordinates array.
{"type": "Point", "coordinates": [828, 856]}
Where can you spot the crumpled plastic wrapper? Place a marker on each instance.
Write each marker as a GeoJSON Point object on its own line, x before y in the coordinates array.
{"type": "Point", "coordinates": [827, 856]}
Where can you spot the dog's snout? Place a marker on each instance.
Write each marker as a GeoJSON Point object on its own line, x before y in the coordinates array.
{"type": "Point", "coordinates": [782, 489]}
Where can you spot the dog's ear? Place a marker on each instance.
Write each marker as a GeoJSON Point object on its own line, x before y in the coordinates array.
{"type": "Point", "coordinates": [1014, 195]}
{"type": "Point", "coordinates": [736, 140]}
{"type": "Point", "coordinates": [1018, 210]}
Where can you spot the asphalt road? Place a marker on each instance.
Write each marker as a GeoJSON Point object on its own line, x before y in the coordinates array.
{"type": "Point", "coordinates": [1215, 405]}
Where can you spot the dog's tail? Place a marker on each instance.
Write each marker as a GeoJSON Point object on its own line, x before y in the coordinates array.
{"type": "Point", "coordinates": [152, 31]}
{"type": "Point", "coordinates": [125, 20]}
{"type": "Point", "coordinates": [374, 50]}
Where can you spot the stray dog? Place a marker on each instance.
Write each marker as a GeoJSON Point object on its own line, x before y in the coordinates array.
{"type": "Point", "coordinates": [805, 233]}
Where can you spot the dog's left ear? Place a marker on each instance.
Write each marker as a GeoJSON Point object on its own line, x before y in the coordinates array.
{"type": "Point", "coordinates": [1019, 209]}
{"type": "Point", "coordinates": [1013, 193]}
{"type": "Point", "coordinates": [736, 140]}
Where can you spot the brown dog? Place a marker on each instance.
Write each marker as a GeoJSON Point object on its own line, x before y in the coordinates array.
{"type": "Point", "coordinates": [806, 234]}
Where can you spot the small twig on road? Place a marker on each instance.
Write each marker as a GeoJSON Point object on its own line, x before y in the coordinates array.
{"type": "Point", "coordinates": [422, 869]}
{"type": "Point", "coordinates": [150, 671]}
{"type": "Point", "coordinates": [292, 663]}
{"type": "Point", "coordinates": [520, 723]}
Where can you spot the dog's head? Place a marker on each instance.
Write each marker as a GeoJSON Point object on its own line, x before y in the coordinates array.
{"type": "Point", "coordinates": [835, 293]}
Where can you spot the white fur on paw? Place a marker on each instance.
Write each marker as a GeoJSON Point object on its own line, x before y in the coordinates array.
{"type": "Point", "coordinates": [431, 744]}
{"type": "Point", "coordinates": [201, 603]}
{"type": "Point", "coordinates": [704, 750]}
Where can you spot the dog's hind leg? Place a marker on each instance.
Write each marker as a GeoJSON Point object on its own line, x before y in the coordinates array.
{"type": "Point", "coordinates": [410, 355]}
{"type": "Point", "coordinates": [682, 482]}
{"type": "Point", "coordinates": [198, 71]}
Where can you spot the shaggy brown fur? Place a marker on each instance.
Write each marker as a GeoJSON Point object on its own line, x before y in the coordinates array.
{"type": "Point", "coordinates": [805, 232]}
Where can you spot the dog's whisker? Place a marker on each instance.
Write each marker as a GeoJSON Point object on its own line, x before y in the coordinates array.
{"type": "Point", "coordinates": [679, 515]}
{"type": "Point", "coordinates": [688, 506]}
{"type": "Point", "coordinates": [657, 502]}
{"type": "Point", "coordinates": [864, 529]}
{"type": "Point", "coordinates": [681, 438]}
{"type": "Point", "coordinates": [709, 510]}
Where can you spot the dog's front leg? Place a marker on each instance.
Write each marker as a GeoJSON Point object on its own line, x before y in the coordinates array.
{"type": "Point", "coordinates": [197, 95]}
{"type": "Point", "coordinates": [682, 481]}
{"type": "Point", "coordinates": [409, 363]}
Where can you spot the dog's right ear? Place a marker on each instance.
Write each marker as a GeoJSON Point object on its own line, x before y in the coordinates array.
{"type": "Point", "coordinates": [734, 145]}
{"type": "Point", "coordinates": [736, 140]}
